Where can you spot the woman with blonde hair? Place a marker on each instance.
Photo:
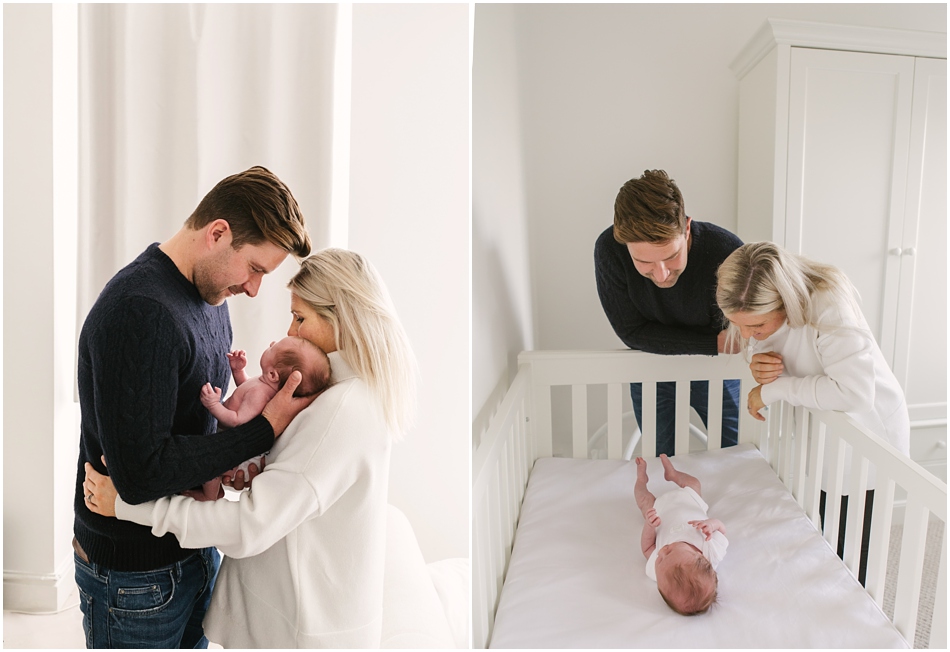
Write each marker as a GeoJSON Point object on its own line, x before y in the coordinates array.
{"type": "Point", "coordinates": [305, 547]}
{"type": "Point", "coordinates": [810, 343]}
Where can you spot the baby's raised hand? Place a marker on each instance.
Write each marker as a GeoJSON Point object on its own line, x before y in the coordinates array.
{"type": "Point", "coordinates": [709, 527]}
{"type": "Point", "coordinates": [652, 518]}
{"type": "Point", "coordinates": [237, 360]}
{"type": "Point", "coordinates": [210, 396]}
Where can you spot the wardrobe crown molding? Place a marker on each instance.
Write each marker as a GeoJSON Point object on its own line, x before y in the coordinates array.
{"type": "Point", "coordinates": [828, 36]}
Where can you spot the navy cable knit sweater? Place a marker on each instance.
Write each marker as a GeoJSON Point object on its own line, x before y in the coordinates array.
{"type": "Point", "coordinates": [147, 346]}
{"type": "Point", "coordinates": [683, 319]}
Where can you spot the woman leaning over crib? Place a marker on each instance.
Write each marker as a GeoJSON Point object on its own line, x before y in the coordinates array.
{"type": "Point", "coordinates": [811, 346]}
{"type": "Point", "coordinates": [305, 548]}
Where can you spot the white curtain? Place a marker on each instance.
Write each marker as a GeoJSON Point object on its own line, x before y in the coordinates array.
{"type": "Point", "coordinates": [175, 97]}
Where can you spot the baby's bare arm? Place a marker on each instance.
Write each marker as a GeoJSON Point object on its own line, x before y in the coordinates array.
{"type": "Point", "coordinates": [648, 539]}
{"type": "Point", "coordinates": [709, 527]}
{"type": "Point", "coordinates": [238, 361]}
{"type": "Point", "coordinates": [244, 404]}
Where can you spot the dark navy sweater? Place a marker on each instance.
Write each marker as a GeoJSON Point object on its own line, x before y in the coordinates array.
{"type": "Point", "coordinates": [147, 346]}
{"type": "Point", "coordinates": [683, 319]}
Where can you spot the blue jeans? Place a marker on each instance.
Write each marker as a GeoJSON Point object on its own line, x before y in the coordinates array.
{"type": "Point", "coordinates": [699, 400]}
{"type": "Point", "coordinates": [161, 608]}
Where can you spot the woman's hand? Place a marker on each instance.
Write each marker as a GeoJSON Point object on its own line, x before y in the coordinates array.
{"type": "Point", "coordinates": [766, 367]}
{"type": "Point", "coordinates": [235, 477]}
{"type": "Point", "coordinates": [755, 402]}
{"type": "Point", "coordinates": [100, 492]}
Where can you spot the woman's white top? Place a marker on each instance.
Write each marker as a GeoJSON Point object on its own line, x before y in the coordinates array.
{"type": "Point", "coordinates": [305, 547]}
{"type": "Point", "coordinates": [838, 366]}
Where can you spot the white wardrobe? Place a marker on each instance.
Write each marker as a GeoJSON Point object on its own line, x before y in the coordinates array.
{"type": "Point", "coordinates": [843, 158]}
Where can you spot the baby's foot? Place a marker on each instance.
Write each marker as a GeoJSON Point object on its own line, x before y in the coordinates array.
{"type": "Point", "coordinates": [642, 470]}
{"type": "Point", "coordinates": [670, 474]}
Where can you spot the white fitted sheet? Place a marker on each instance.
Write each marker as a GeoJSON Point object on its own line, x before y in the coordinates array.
{"type": "Point", "coordinates": [576, 577]}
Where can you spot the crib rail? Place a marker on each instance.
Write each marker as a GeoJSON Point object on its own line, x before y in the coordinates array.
{"type": "Point", "coordinates": [500, 468]}
{"type": "Point", "coordinates": [616, 370]}
{"type": "Point", "coordinates": [812, 450]}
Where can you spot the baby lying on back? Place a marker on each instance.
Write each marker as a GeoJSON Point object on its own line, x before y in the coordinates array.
{"type": "Point", "coordinates": [682, 546]}
{"type": "Point", "coordinates": [252, 394]}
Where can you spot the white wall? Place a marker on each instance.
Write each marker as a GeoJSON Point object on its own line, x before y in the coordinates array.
{"type": "Point", "coordinates": [40, 419]}
{"type": "Point", "coordinates": [409, 199]}
{"type": "Point", "coordinates": [501, 290]}
{"type": "Point", "coordinates": [602, 93]}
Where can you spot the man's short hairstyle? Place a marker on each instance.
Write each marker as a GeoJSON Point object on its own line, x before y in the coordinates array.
{"type": "Point", "coordinates": [313, 380]}
{"type": "Point", "coordinates": [258, 207]}
{"type": "Point", "coordinates": [649, 209]}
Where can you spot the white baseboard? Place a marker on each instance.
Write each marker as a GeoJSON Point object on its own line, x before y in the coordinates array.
{"type": "Point", "coordinates": [36, 593]}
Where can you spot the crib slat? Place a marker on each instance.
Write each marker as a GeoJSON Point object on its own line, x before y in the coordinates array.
{"type": "Point", "coordinates": [681, 446]}
{"type": "Point", "coordinates": [834, 492]}
{"type": "Point", "coordinates": [788, 437]}
{"type": "Point", "coordinates": [938, 628]}
{"type": "Point", "coordinates": [911, 567]}
{"type": "Point", "coordinates": [854, 531]}
{"type": "Point", "coordinates": [881, 516]}
{"type": "Point", "coordinates": [815, 431]}
{"type": "Point", "coordinates": [483, 614]}
{"type": "Point", "coordinates": [648, 427]}
{"type": "Point", "coordinates": [816, 461]}
{"type": "Point", "coordinates": [774, 443]}
{"type": "Point", "coordinates": [615, 421]}
{"type": "Point", "coordinates": [510, 510]}
{"type": "Point", "coordinates": [579, 420]}
{"type": "Point", "coordinates": [498, 547]}
{"type": "Point", "coordinates": [714, 416]}
{"type": "Point", "coordinates": [541, 426]}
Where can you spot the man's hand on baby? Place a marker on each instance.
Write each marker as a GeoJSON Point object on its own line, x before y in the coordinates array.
{"type": "Point", "coordinates": [709, 527]}
{"type": "Point", "coordinates": [237, 360]}
{"type": "Point", "coordinates": [285, 406]}
{"type": "Point", "coordinates": [210, 396]}
{"type": "Point", "coordinates": [652, 518]}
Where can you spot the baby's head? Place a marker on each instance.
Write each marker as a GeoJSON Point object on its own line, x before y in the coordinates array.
{"type": "Point", "coordinates": [685, 578]}
{"type": "Point", "coordinates": [296, 353]}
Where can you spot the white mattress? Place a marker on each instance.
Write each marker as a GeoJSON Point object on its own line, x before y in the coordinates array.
{"type": "Point", "coordinates": [576, 576]}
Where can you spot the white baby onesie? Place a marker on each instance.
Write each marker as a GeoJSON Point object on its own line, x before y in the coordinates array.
{"type": "Point", "coordinates": [676, 509]}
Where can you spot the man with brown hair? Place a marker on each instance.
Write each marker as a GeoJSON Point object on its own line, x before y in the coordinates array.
{"type": "Point", "coordinates": [657, 303]}
{"type": "Point", "coordinates": [158, 332]}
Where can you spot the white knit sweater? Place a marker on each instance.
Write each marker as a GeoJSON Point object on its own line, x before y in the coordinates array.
{"type": "Point", "coordinates": [305, 547]}
{"type": "Point", "coordinates": [838, 366]}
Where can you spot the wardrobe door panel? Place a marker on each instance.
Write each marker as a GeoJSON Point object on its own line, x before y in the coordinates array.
{"type": "Point", "coordinates": [849, 118]}
{"type": "Point", "coordinates": [921, 349]}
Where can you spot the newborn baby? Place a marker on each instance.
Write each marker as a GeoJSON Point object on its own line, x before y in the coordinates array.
{"type": "Point", "coordinates": [682, 546]}
{"type": "Point", "coordinates": [252, 394]}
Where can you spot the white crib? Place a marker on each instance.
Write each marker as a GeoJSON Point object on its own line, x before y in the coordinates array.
{"type": "Point", "coordinates": [794, 441]}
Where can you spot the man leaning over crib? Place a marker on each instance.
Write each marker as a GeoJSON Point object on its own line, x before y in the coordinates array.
{"type": "Point", "coordinates": [657, 303]}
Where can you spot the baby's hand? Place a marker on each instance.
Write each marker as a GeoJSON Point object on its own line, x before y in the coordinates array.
{"type": "Point", "coordinates": [237, 360]}
{"type": "Point", "coordinates": [210, 396]}
{"type": "Point", "coordinates": [709, 527]}
{"type": "Point", "coordinates": [652, 518]}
